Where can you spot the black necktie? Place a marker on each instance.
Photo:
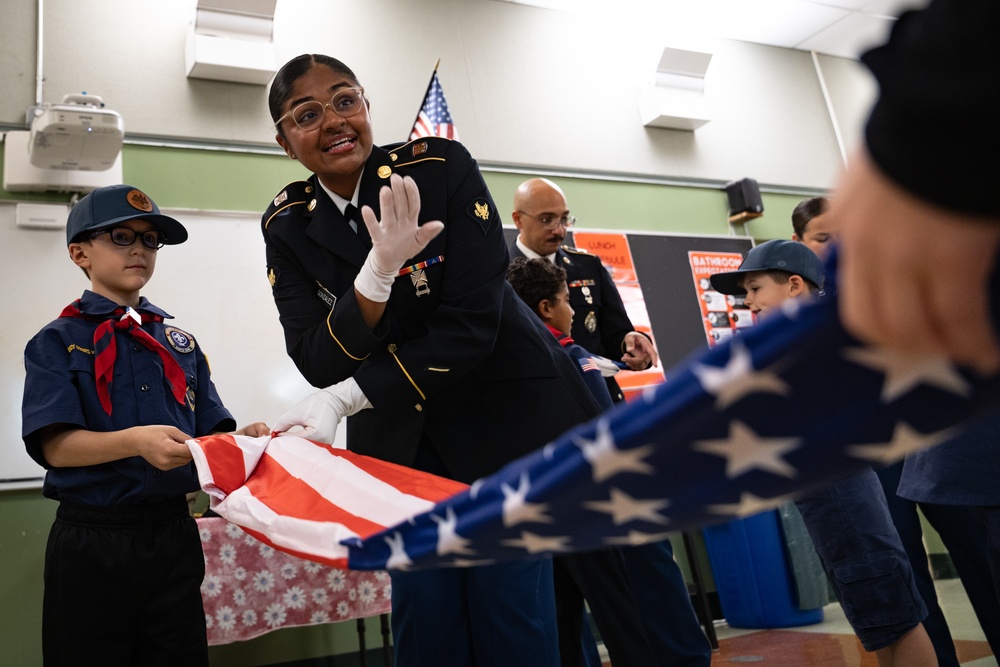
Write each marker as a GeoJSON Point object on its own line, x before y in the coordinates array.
{"type": "Point", "coordinates": [352, 213]}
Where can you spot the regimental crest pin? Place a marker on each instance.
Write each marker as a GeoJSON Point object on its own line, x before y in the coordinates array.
{"type": "Point", "coordinates": [384, 171]}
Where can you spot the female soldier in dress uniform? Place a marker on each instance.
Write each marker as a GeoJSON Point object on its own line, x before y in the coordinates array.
{"type": "Point", "coordinates": [404, 315]}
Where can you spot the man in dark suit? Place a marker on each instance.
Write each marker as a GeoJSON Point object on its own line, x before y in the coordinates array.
{"type": "Point", "coordinates": [601, 325]}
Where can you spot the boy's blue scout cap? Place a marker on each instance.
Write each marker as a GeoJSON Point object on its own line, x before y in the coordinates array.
{"type": "Point", "coordinates": [781, 255]}
{"type": "Point", "coordinates": [115, 204]}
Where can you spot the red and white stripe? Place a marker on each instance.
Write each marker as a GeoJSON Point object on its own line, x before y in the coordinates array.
{"type": "Point", "coordinates": [305, 497]}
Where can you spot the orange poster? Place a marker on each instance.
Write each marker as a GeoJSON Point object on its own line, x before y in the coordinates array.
{"type": "Point", "coordinates": [721, 314]}
{"type": "Point", "coordinates": [613, 249]}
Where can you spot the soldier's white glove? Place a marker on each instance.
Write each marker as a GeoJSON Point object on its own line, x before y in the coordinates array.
{"type": "Point", "coordinates": [395, 239]}
{"type": "Point", "coordinates": [319, 413]}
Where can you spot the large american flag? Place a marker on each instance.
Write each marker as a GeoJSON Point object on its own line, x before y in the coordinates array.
{"type": "Point", "coordinates": [434, 119]}
{"type": "Point", "coordinates": [305, 497]}
{"type": "Point", "coordinates": [784, 407]}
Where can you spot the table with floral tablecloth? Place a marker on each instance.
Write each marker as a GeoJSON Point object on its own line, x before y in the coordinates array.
{"type": "Point", "coordinates": [251, 589]}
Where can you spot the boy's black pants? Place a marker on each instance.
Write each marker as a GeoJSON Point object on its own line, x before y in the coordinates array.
{"type": "Point", "coordinates": [123, 587]}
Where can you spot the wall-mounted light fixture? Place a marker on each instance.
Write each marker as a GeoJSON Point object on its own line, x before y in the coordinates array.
{"type": "Point", "coordinates": [231, 40]}
{"type": "Point", "coordinates": [677, 100]}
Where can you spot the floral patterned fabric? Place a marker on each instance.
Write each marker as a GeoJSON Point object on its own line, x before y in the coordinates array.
{"type": "Point", "coordinates": [251, 589]}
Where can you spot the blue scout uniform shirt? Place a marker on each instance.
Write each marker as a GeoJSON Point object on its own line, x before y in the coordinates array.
{"type": "Point", "coordinates": [60, 388]}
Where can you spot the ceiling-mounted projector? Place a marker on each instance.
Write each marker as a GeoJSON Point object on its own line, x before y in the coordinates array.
{"type": "Point", "coordinates": [78, 134]}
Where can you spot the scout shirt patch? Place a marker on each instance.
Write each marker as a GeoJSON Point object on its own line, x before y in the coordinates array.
{"type": "Point", "coordinates": [179, 340]}
{"type": "Point", "coordinates": [481, 210]}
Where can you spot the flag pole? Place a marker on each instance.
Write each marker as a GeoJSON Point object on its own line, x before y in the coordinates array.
{"type": "Point", "coordinates": [424, 98]}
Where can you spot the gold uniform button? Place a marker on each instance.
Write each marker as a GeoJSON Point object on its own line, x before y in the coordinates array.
{"type": "Point", "coordinates": [391, 348]}
{"type": "Point", "coordinates": [418, 407]}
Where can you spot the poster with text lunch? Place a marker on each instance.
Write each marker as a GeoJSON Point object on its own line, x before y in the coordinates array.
{"type": "Point", "coordinates": [615, 254]}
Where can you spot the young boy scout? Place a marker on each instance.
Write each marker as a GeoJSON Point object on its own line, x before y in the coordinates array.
{"type": "Point", "coordinates": [112, 393]}
{"type": "Point", "coordinates": [849, 520]}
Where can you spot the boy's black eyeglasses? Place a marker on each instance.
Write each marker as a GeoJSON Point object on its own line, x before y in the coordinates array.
{"type": "Point", "coordinates": [124, 236]}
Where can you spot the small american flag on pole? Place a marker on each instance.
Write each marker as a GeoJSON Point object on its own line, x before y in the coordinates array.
{"type": "Point", "coordinates": [434, 119]}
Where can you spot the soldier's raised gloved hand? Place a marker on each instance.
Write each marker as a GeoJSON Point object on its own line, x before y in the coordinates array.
{"type": "Point", "coordinates": [319, 413]}
{"type": "Point", "coordinates": [395, 238]}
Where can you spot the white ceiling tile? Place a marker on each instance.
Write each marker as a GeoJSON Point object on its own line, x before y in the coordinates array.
{"type": "Point", "coordinates": [849, 37]}
{"type": "Point", "coordinates": [836, 27]}
{"type": "Point", "coordinates": [890, 7]}
{"type": "Point", "coordinates": [773, 22]}
{"type": "Point", "coordinates": [855, 5]}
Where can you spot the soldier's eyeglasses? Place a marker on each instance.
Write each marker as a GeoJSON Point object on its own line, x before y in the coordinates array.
{"type": "Point", "coordinates": [550, 222]}
{"type": "Point", "coordinates": [309, 115]}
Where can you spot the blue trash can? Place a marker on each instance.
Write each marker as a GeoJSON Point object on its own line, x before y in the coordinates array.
{"type": "Point", "coordinates": [752, 575]}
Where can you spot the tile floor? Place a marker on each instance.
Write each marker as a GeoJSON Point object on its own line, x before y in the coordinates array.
{"type": "Point", "coordinates": [833, 644]}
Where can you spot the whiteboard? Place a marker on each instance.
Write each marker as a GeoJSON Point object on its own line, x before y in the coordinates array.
{"type": "Point", "coordinates": [215, 285]}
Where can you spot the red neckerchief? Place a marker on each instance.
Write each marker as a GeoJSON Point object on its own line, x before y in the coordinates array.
{"type": "Point", "coordinates": [105, 350]}
{"type": "Point", "coordinates": [563, 338]}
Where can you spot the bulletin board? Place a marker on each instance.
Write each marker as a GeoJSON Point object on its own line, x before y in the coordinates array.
{"type": "Point", "coordinates": [683, 312]}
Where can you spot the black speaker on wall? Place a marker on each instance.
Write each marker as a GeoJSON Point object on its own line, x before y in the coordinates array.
{"type": "Point", "coordinates": [744, 200]}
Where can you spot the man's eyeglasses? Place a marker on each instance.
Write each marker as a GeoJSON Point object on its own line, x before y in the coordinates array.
{"type": "Point", "coordinates": [551, 221]}
{"type": "Point", "coordinates": [346, 102]}
{"type": "Point", "coordinates": [125, 236]}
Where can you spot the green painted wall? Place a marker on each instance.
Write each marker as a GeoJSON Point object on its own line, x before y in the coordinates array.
{"type": "Point", "coordinates": [226, 181]}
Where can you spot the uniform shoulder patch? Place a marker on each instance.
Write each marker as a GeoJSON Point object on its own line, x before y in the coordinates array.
{"type": "Point", "coordinates": [482, 210]}
{"type": "Point", "coordinates": [298, 192]}
{"type": "Point", "coordinates": [418, 150]}
{"type": "Point", "coordinates": [180, 340]}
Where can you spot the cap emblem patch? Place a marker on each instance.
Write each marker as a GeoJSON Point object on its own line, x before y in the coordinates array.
{"type": "Point", "coordinates": [138, 200]}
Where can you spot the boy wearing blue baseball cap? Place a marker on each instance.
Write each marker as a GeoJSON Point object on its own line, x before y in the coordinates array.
{"type": "Point", "coordinates": [111, 394]}
{"type": "Point", "coordinates": [849, 520]}
{"type": "Point", "coordinates": [771, 273]}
